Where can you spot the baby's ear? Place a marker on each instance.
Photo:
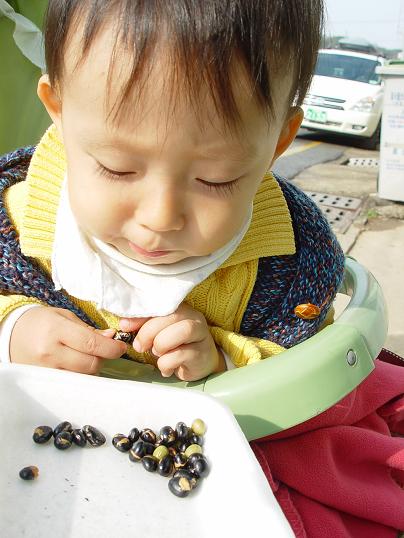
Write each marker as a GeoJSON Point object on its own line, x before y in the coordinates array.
{"type": "Point", "coordinates": [289, 130]}
{"type": "Point", "coordinates": [51, 100]}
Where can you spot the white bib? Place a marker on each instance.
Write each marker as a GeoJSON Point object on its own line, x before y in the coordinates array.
{"type": "Point", "coordinates": [95, 271]}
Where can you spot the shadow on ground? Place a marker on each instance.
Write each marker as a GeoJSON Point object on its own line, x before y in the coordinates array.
{"type": "Point", "coordinates": [332, 138]}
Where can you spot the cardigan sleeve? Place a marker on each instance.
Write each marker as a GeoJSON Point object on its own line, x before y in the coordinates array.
{"type": "Point", "coordinates": [8, 303]}
{"type": "Point", "coordinates": [244, 350]}
{"type": "Point", "coordinates": [7, 327]}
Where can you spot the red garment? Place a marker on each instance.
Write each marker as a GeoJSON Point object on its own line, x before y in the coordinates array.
{"type": "Point", "coordinates": [341, 474]}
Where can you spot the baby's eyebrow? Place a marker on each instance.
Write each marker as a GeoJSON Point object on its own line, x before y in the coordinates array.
{"type": "Point", "coordinates": [238, 154]}
{"type": "Point", "coordinates": [113, 144]}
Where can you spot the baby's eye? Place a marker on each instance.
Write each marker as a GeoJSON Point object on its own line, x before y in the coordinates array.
{"type": "Point", "coordinates": [225, 187]}
{"type": "Point", "coordinates": [112, 174]}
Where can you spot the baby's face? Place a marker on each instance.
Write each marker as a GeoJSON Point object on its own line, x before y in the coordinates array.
{"type": "Point", "coordinates": [160, 186]}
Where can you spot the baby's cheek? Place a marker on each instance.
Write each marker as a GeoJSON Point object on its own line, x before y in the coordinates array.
{"type": "Point", "coordinates": [98, 215]}
{"type": "Point", "coordinates": [221, 225]}
{"type": "Point", "coordinates": [108, 219]}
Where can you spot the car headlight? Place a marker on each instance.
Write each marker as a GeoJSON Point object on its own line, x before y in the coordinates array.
{"type": "Point", "coordinates": [365, 104]}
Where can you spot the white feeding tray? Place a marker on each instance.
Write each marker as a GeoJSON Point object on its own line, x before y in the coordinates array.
{"type": "Point", "coordinates": [99, 491]}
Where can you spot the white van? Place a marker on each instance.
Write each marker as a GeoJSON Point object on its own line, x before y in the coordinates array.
{"type": "Point", "coordinates": [346, 95]}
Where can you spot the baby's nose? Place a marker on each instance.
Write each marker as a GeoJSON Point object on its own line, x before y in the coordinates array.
{"type": "Point", "coordinates": [161, 211]}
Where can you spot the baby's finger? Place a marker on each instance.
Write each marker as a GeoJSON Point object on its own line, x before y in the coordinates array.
{"type": "Point", "coordinates": [90, 342]}
{"type": "Point", "coordinates": [131, 324]}
{"type": "Point", "coordinates": [74, 361]}
{"type": "Point", "coordinates": [70, 315]}
{"type": "Point", "coordinates": [168, 363]}
{"type": "Point", "coordinates": [148, 332]}
{"type": "Point", "coordinates": [186, 331]}
{"type": "Point", "coordinates": [109, 333]}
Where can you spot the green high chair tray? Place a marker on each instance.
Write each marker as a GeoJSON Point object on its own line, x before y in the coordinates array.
{"type": "Point", "coordinates": [300, 383]}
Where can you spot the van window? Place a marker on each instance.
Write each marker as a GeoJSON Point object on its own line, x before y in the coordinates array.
{"type": "Point", "coordinates": [347, 67]}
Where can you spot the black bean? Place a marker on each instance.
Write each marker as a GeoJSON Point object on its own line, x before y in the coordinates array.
{"type": "Point", "coordinates": [180, 486]}
{"type": "Point", "coordinates": [195, 439]}
{"type": "Point", "coordinates": [149, 463]}
{"type": "Point", "coordinates": [149, 448]}
{"type": "Point", "coordinates": [29, 473]}
{"type": "Point", "coordinates": [193, 479]}
{"type": "Point", "coordinates": [148, 435]}
{"type": "Point", "coordinates": [165, 466]}
{"type": "Point", "coordinates": [121, 442]}
{"type": "Point", "coordinates": [195, 456]}
{"type": "Point", "coordinates": [172, 451]}
{"type": "Point", "coordinates": [93, 435]}
{"type": "Point", "coordinates": [63, 440]}
{"type": "Point", "coordinates": [167, 435]}
{"type": "Point", "coordinates": [138, 450]}
{"type": "Point", "coordinates": [179, 460]}
{"type": "Point", "coordinates": [78, 437]}
{"type": "Point", "coordinates": [183, 446]}
{"type": "Point", "coordinates": [125, 337]}
{"type": "Point", "coordinates": [182, 431]}
{"type": "Point", "coordinates": [134, 435]}
{"type": "Point", "coordinates": [198, 465]}
{"type": "Point", "coordinates": [42, 434]}
{"type": "Point", "coordinates": [64, 426]}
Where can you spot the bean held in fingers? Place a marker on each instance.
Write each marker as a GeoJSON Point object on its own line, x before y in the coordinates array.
{"type": "Point", "coordinates": [126, 337]}
{"type": "Point", "coordinates": [57, 338]}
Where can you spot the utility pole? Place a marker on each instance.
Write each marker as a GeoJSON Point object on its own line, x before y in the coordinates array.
{"type": "Point", "coordinates": [400, 29]}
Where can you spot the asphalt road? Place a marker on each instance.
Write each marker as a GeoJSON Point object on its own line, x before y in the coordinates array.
{"type": "Point", "coordinates": [309, 149]}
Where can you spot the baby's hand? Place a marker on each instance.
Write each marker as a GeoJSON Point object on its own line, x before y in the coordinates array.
{"type": "Point", "coordinates": [181, 341]}
{"type": "Point", "coordinates": [57, 338]}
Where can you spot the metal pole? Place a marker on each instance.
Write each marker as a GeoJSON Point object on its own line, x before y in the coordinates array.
{"type": "Point", "coordinates": [400, 28]}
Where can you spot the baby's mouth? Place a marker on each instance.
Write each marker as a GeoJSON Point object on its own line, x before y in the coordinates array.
{"type": "Point", "coordinates": [147, 253]}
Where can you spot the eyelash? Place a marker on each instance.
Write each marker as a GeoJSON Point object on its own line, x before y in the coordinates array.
{"type": "Point", "coordinates": [223, 188]}
{"type": "Point", "coordinates": [111, 174]}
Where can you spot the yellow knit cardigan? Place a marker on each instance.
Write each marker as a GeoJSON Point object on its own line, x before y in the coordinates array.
{"type": "Point", "coordinates": [222, 297]}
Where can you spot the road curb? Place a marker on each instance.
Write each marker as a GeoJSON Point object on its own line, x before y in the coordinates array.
{"type": "Point", "coordinates": [385, 208]}
{"type": "Point", "coordinates": [348, 239]}
{"type": "Point", "coordinates": [339, 180]}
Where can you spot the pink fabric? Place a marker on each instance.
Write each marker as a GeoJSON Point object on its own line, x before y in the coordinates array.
{"type": "Point", "coordinates": [341, 474]}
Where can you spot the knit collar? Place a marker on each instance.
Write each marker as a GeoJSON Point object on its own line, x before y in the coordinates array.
{"type": "Point", "coordinates": [270, 232]}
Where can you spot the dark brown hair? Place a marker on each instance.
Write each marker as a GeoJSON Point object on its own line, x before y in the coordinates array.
{"type": "Point", "coordinates": [270, 37]}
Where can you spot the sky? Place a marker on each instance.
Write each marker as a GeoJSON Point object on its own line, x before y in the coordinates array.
{"type": "Point", "coordinates": [379, 21]}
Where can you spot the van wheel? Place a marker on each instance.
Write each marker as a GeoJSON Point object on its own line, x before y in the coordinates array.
{"type": "Point", "coordinates": [373, 141]}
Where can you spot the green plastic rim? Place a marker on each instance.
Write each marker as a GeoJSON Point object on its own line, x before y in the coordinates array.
{"type": "Point", "coordinates": [304, 381]}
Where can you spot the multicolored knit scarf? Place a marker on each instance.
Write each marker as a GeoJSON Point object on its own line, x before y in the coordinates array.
{"type": "Point", "coordinates": [312, 275]}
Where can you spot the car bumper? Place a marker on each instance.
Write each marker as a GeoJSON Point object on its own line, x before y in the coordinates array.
{"type": "Point", "coordinates": [344, 122]}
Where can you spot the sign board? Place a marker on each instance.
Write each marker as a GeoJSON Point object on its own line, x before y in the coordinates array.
{"type": "Point", "coordinates": [391, 176]}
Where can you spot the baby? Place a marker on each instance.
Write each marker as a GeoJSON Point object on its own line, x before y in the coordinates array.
{"type": "Point", "coordinates": [149, 207]}
{"type": "Point", "coordinates": [149, 204]}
